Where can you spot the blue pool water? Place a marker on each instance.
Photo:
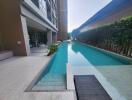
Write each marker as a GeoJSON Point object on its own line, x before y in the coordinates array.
{"type": "Point", "coordinates": [79, 55]}
{"type": "Point", "coordinates": [75, 54]}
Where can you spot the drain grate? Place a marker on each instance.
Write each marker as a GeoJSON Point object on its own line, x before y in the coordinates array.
{"type": "Point", "coordinates": [89, 88]}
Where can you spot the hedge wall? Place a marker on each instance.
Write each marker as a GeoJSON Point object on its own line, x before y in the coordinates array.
{"type": "Point", "coordinates": [116, 37]}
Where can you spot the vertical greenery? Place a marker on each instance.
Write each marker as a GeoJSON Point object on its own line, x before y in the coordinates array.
{"type": "Point", "coordinates": [116, 37]}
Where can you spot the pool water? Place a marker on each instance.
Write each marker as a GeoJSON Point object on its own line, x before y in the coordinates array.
{"type": "Point", "coordinates": [81, 55]}
{"type": "Point", "coordinates": [76, 54]}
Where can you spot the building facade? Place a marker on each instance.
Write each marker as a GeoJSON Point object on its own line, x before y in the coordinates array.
{"type": "Point", "coordinates": [112, 12]}
{"type": "Point", "coordinates": [27, 23]}
{"type": "Point", "coordinates": [62, 20]}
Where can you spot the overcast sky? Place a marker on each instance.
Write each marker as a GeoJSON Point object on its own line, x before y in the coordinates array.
{"type": "Point", "coordinates": [80, 11]}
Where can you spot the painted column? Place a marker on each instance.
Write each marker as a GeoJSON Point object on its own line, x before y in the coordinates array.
{"type": "Point", "coordinates": [49, 38]}
{"type": "Point", "coordinates": [55, 38]}
{"type": "Point", "coordinates": [25, 34]}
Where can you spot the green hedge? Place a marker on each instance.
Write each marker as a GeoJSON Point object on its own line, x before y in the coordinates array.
{"type": "Point", "coordinates": [53, 48]}
{"type": "Point", "coordinates": [115, 37]}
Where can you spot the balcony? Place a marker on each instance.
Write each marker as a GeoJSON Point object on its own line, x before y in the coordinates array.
{"type": "Point", "coordinates": [43, 11]}
{"type": "Point", "coordinates": [36, 2]}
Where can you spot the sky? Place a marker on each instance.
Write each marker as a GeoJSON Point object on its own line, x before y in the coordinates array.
{"type": "Point", "coordinates": [80, 11]}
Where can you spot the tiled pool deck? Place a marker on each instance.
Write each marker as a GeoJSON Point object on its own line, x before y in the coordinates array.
{"type": "Point", "coordinates": [116, 80]}
{"type": "Point", "coordinates": [17, 73]}
{"type": "Point", "coordinates": [120, 77]}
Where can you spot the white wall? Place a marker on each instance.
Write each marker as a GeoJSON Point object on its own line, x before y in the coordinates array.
{"type": "Point", "coordinates": [49, 38]}
{"type": "Point", "coordinates": [25, 34]}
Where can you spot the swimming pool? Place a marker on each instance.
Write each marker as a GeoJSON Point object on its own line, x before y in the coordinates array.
{"type": "Point", "coordinates": [76, 54]}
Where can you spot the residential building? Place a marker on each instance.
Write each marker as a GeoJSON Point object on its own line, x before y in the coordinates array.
{"type": "Point", "coordinates": [28, 23]}
{"type": "Point", "coordinates": [62, 20]}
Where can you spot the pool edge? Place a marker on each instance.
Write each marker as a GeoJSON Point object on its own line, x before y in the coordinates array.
{"type": "Point", "coordinates": [116, 55]}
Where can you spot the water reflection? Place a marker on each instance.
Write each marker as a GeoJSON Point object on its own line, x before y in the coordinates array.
{"type": "Point", "coordinates": [60, 60]}
{"type": "Point", "coordinates": [80, 55]}
{"type": "Point", "coordinates": [76, 57]}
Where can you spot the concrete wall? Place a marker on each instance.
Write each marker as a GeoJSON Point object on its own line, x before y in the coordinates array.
{"type": "Point", "coordinates": [54, 37]}
{"type": "Point", "coordinates": [62, 19]}
{"type": "Point", "coordinates": [127, 11]}
{"type": "Point", "coordinates": [1, 42]}
{"type": "Point", "coordinates": [49, 38]}
{"type": "Point", "coordinates": [113, 16]}
{"type": "Point", "coordinates": [11, 27]}
{"type": "Point", "coordinates": [25, 34]}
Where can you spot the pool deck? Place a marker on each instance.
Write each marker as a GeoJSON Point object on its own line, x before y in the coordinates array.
{"type": "Point", "coordinates": [120, 77]}
{"type": "Point", "coordinates": [17, 73]}
{"type": "Point", "coordinates": [39, 51]}
{"type": "Point", "coordinates": [116, 80]}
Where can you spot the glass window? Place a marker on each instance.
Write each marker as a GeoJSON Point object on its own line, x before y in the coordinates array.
{"type": "Point", "coordinates": [36, 2]}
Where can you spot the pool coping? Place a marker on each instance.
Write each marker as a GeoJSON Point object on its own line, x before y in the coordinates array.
{"type": "Point", "coordinates": [116, 55]}
{"type": "Point", "coordinates": [69, 78]}
{"type": "Point", "coordinates": [36, 78]}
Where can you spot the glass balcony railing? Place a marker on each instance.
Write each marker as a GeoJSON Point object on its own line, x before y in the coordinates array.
{"type": "Point", "coordinates": [36, 2]}
{"type": "Point", "coordinates": [47, 8]}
